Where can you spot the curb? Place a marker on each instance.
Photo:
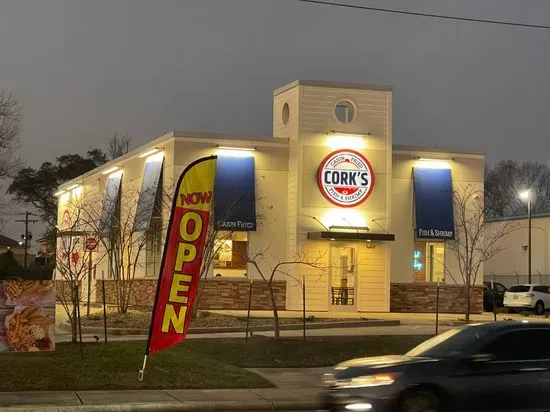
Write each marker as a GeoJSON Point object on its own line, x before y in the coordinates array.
{"type": "Point", "coordinates": [239, 329]}
{"type": "Point", "coordinates": [169, 407]}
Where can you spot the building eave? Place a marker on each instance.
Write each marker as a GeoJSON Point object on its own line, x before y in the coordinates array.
{"type": "Point", "coordinates": [185, 136]}
{"type": "Point", "coordinates": [333, 85]}
{"type": "Point", "coordinates": [431, 150]}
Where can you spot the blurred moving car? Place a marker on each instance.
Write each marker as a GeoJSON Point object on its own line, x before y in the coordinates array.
{"type": "Point", "coordinates": [486, 367]}
{"type": "Point", "coordinates": [527, 297]}
{"type": "Point", "coordinates": [493, 292]}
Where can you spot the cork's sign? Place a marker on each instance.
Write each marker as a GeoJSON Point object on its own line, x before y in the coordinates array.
{"type": "Point", "coordinates": [345, 178]}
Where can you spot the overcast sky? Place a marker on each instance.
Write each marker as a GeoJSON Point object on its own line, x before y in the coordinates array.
{"type": "Point", "coordinates": [85, 69]}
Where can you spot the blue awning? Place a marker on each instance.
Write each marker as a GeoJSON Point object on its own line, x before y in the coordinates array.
{"type": "Point", "coordinates": [433, 201]}
{"type": "Point", "coordinates": [148, 194]}
{"type": "Point", "coordinates": [235, 194]}
{"type": "Point", "coordinates": [110, 202]}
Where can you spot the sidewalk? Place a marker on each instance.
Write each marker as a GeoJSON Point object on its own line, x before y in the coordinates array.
{"type": "Point", "coordinates": [304, 399]}
{"type": "Point", "coordinates": [404, 318]}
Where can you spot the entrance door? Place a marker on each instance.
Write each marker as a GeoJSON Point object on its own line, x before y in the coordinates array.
{"type": "Point", "coordinates": [343, 277]}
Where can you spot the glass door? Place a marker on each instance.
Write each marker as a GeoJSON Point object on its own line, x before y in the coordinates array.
{"type": "Point", "coordinates": [435, 270]}
{"type": "Point", "coordinates": [343, 277]}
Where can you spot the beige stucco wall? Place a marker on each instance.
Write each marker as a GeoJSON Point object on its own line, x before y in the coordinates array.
{"type": "Point", "coordinates": [309, 144]}
{"type": "Point", "coordinates": [467, 170]}
{"type": "Point", "coordinates": [511, 266]}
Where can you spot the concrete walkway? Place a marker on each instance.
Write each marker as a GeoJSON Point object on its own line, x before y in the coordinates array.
{"type": "Point", "coordinates": [426, 329]}
{"type": "Point", "coordinates": [405, 318]}
{"type": "Point", "coordinates": [291, 378]}
{"type": "Point", "coordinates": [162, 400]}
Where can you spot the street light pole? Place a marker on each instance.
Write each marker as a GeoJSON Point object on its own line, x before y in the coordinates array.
{"type": "Point", "coordinates": [529, 235]}
{"type": "Point", "coordinates": [528, 196]}
{"type": "Point", "coordinates": [27, 236]}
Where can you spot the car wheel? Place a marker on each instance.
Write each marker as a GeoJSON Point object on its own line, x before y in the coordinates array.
{"type": "Point", "coordinates": [539, 308]}
{"type": "Point", "coordinates": [420, 401]}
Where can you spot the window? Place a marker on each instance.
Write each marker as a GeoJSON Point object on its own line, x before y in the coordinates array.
{"type": "Point", "coordinates": [286, 113]}
{"type": "Point", "coordinates": [344, 111]}
{"type": "Point", "coordinates": [451, 343]}
{"type": "Point", "coordinates": [531, 344]}
{"type": "Point", "coordinates": [519, 289]}
{"type": "Point", "coordinates": [153, 246]}
{"type": "Point", "coordinates": [499, 288]}
{"type": "Point", "coordinates": [429, 261]}
{"type": "Point", "coordinates": [229, 254]}
{"type": "Point", "coordinates": [541, 289]}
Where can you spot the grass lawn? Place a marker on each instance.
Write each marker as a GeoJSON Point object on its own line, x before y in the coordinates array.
{"type": "Point", "coordinates": [295, 353]}
{"type": "Point", "coordinates": [116, 365]}
{"type": "Point", "coordinates": [196, 363]}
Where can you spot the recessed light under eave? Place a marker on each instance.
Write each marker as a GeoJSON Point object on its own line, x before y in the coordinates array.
{"type": "Point", "coordinates": [235, 151]}
{"type": "Point", "coordinates": [110, 170]}
{"type": "Point", "coordinates": [149, 152]}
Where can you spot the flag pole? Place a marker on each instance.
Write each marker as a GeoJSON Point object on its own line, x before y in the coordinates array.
{"type": "Point", "coordinates": [148, 351]}
{"type": "Point", "coordinates": [142, 370]}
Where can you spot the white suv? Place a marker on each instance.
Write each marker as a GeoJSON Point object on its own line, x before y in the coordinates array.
{"type": "Point", "coordinates": [535, 297]}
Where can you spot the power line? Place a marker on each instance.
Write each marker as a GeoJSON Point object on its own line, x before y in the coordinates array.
{"type": "Point", "coordinates": [418, 14]}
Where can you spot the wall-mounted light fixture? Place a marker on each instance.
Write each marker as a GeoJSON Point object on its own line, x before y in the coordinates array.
{"type": "Point", "coordinates": [110, 170]}
{"type": "Point", "coordinates": [150, 152]}
{"type": "Point", "coordinates": [338, 140]}
{"type": "Point", "coordinates": [350, 219]}
{"type": "Point", "coordinates": [77, 191]}
{"type": "Point", "coordinates": [155, 157]}
{"type": "Point", "coordinates": [64, 197]}
{"type": "Point", "coordinates": [424, 163]}
{"type": "Point", "coordinates": [116, 173]}
{"type": "Point", "coordinates": [236, 151]}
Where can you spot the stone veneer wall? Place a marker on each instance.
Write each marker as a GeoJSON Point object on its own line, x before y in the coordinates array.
{"type": "Point", "coordinates": [218, 294]}
{"type": "Point", "coordinates": [421, 297]}
{"type": "Point", "coordinates": [63, 290]}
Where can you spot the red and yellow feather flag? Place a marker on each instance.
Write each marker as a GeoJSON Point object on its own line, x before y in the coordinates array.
{"type": "Point", "coordinates": [183, 251]}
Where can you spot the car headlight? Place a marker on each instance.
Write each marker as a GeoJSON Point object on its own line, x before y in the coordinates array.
{"type": "Point", "coordinates": [366, 381]}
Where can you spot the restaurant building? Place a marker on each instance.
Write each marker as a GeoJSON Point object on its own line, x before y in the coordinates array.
{"type": "Point", "coordinates": [370, 218]}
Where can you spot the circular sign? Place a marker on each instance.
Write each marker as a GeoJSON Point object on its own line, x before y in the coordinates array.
{"type": "Point", "coordinates": [91, 243]}
{"type": "Point", "coordinates": [345, 177]}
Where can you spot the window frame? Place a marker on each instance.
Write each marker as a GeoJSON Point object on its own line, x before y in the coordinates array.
{"type": "Point", "coordinates": [245, 267]}
{"type": "Point", "coordinates": [428, 259]}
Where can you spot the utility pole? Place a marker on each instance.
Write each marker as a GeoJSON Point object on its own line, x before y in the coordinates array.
{"type": "Point", "coordinates": [27, 236]}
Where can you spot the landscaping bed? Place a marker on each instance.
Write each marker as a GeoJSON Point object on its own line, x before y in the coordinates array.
{"type": "Point", "coordinates": [135, 319]}
{"type": "Point", "coordinates": [193, 364]}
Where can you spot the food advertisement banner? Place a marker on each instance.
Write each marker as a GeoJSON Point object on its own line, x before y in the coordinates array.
{"type": "Point", "coordinates": [27, 315]}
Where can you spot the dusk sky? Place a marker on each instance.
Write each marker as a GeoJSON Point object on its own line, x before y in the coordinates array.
{"type": "Point", "coordinates": [87, 69]}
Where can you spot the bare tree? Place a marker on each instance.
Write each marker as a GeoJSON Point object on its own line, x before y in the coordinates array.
{"type": "Point", "coordinates": [476, 241]}
{"type": "Point", "coordinates": [11, 113]}
{"type": "Point", "coordinates": [71, 264]}
{"type": "Point", "coordinates": [119, 145]}
{"type": "Point", "coordinates": [507, 179]}
{"type": "Point", "coordinates": [268, 273]}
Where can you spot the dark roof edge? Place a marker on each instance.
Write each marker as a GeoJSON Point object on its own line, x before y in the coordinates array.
{"type": "Point", "coordinates": [434, 149]}
{"type": "Point", "coordinates": [333, 85]}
